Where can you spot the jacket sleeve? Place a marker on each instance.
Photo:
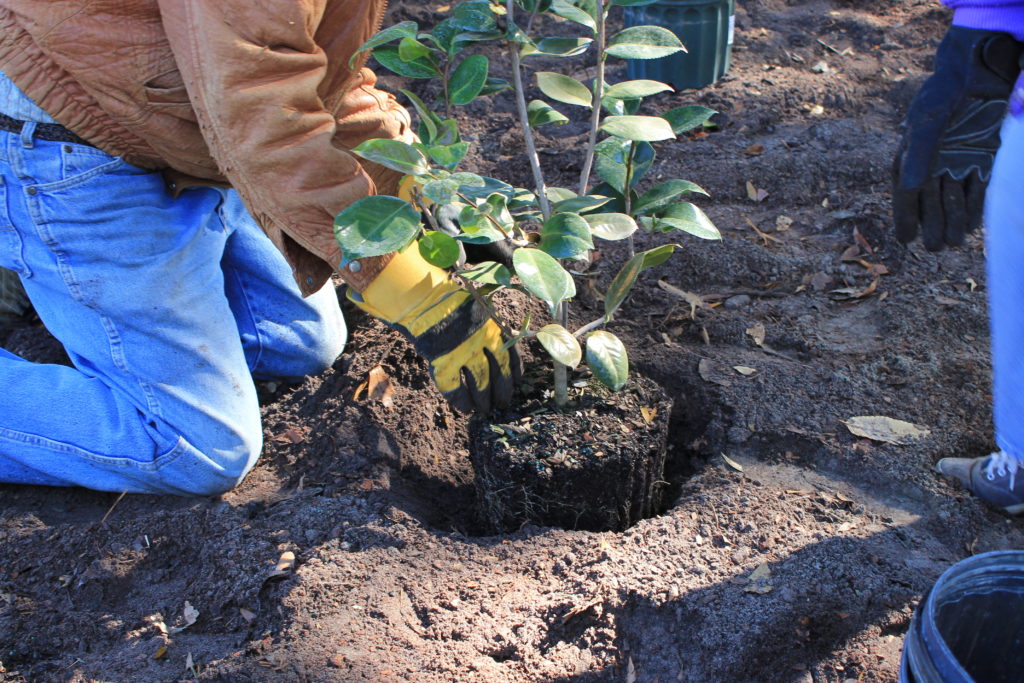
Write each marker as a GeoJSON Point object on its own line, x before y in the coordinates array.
{"type": "Point", "coordinates": [279, 117]}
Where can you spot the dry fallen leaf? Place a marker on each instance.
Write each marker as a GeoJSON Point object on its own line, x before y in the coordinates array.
{"type": "Point", "coordinates": [851, 253]}
{"type": "Point", "coordinates": [379, 387]}
{"type": "Point", "coordinates": [161, 652]}
{"type": "Point", "coordinates": [694, 300]}
{"type": "Point", "coordinates": [783, 223]}
{"type": "Point", "coordinates": [246, 614]}
{"type": "Point", "coordinates": [285, 563]}
{"type": "Point", "coordinates": [732, 463]}
{"type": "Point", "coordinates": [757, 334]}
{"type": "Point", "coordinates": [293, 435]}
{"type": "Point", "coordinates": [754, 150]}
{"type": "Point", "coordinates": [885, 429]}
{"type": "Point", "coordinates": [760, 233]}
{"type": "Point", "coordinates": [648, 414]}
{"type": "Point", "coordinates": [189, 615]}
{"type": "Point", "coordinates": [760, 580]}
{"type": "Point", "coordinates": [751, 191]}
{"type": "Point", "coordinates": [854, 293]}
{"type": "Point", "coordinates": [744, 370]}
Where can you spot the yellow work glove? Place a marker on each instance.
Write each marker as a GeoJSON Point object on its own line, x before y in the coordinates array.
{"type": "Point", "coordinates": [447, 327]}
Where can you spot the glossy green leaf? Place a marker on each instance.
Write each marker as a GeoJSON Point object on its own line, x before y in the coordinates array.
{"type": "Point", "coordinates": [687, 118]}
{"type": "Point", "coordinates": [447, 156]}
{"type": "Point", "coordinates": [410, 49]}
{"type": "Point", "coordinates": [611, 226]}
{"type": "Point", "coordinates": [607, 359]}
{"type": "Point", "coordinates": [663, 195]}
{"type": "Point", "coordinates": [488, 273]}
{"type": "Point", "coordinates": [559, 194]}
{"type": "Point", "coordinates": [610, 162]}
{"type": "Point", "coordinates": [490, 186]}
{"type": "Point", "coordinates": [465, 179]}
{"type": "Point", "coordinates": [394, 154]}
{"type": "Point", "coordinates": [622, 283]}
{"type": "Point", "coordinates": [374, 226]}
{"type": "Point", "coordinates": [442, 191]}
{"type": "Point", "coordinates": [474, 15]}
{"type": "Point", "coordinates": [580, 204]}
{"type": "Point", "coordinates": [566, 235]}
{"type": "Point", "coordinates": [616, 107]}
{"type": "Point", "coordinates": [493, 85]}
{"type": "Point", "coordinates": [570, 11]}
{"type": "Point", "coordinates": [644, 42]}
{"type": "Point", "coordinates": [439, 249]}
{"type": "Point", "coordinates": [658, 255]}
{"type": "Point", "coordinates": [540, 113]}
{"type": "Point", "coordinates": [428, 119]}
{"type": "Point", "coordinates": [636, 89]}
{"type": "Point", "coordinates": [468, 79]}
{"type": "Point", "coordinates": [560, 344]}
{"type": "Point", "coordinates": [638, 128]}
{"type": "Point", "coordinates": [543, 276]}
{"type": "Point", "coordinates": [389, 58]}
{"type": "Point", "coordinates": [535, 5]}
{"type": "Point", "coordinates": [556, 47]}
{"type": "Point", "coordinates": [690, 219]}
{"type": "Point", "coordinates": [405, 29]}
{"type": "Point", "coordinates": [564, 88]}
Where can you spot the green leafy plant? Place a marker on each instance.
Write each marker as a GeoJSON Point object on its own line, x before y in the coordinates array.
{"type": "Point", "coordinates": [550, 228]}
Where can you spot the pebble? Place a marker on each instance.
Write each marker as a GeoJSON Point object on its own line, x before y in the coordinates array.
{"type": "Point", "coordinates": [737, 302]}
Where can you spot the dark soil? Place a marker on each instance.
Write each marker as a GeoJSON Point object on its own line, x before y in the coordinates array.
{"type": "Point", "coordinates": [598, 464]}
{"type": "Point", "coordinates": [804, 565]}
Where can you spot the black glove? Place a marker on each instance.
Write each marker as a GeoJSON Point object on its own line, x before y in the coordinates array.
{"type": "Point", "coordinates": [500, 251]}
{"type": "Point", "coordinates": [950, 137]}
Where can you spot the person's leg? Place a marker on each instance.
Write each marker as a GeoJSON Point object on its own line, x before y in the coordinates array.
{"type": "Point", "coordinates": [1005, 225]}
{"type": "Point", "coordinates": [285, 337]}
{"type": "Point", "coordinates": [130, 281]}
{"type": "Point", "coordinates": [999, 478]}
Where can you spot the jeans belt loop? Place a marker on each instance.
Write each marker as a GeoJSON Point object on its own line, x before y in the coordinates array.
{"type": "Point", "coordinates": [27, 131]}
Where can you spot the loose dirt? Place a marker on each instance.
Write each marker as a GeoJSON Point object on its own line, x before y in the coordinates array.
{"type": "Point", "coordinates": [793, 550]}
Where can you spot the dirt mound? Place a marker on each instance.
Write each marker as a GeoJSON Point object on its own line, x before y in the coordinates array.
{"type": "Point", "coordinates": [797, 557]}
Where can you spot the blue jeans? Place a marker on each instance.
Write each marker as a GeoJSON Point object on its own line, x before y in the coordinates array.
{"type": "Point", "coordinates": [1004, 225]}
{"type": "Point", "coordinates": [167, 308]}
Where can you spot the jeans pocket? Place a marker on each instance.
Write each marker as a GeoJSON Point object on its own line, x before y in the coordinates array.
{"type": "Point", "coordinates": [11, 247]}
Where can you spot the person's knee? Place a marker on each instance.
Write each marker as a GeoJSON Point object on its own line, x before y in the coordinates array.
{"type": "Point", "coordinates": [212, 460]}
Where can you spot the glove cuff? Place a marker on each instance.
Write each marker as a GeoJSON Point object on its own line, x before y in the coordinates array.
{"type": "Point", "coordinates": [402, 286]}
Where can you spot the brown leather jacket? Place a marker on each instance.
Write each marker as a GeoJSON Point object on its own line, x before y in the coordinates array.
{"type": "Point", "coordinates": [256, 94]}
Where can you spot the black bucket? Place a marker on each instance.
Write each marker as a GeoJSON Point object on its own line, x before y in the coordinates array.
{"type": "Point", "coordinates": [706, 29]}
{"type": "Point", "coordinates": [970, 626]}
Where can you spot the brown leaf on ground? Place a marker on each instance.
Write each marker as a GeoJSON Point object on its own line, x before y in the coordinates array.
{"type": "Point", "coordinates": [757, 333]}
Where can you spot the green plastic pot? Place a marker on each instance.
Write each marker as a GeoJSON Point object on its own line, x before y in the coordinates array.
{"type": "Point", "coordinates": [706, 29]}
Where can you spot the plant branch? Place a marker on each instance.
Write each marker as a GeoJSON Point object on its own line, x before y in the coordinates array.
{"type": "Point", "coordinates": [593, 325]}
{"type": "Point", "coordinates": [478, 297]}
{"type": "Point", "coordinates": [492, 219]}
{"type": "Point", "coordinates": [629, 191]}
{"type": "Point", "coordinates": [595, 114]}
{"type": "Point", "coordinates": [524, 120]}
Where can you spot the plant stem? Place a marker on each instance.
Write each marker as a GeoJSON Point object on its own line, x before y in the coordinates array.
{"type": "Point", "coordinates": [595, 115]}
{"type": "Point", "coordinates": [478, 297]}
{"type": "Point", "coordinates": [561, 377]}
{"type": "Point", "coordinates": [594, 324]}
{"type": "Point", "coordinates": [524, 121]}
{"type": "Point", "coordinates": [629, 191]}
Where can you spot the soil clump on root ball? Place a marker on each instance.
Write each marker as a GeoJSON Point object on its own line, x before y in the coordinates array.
{"type": "Point", "coordinates": [596, 465]}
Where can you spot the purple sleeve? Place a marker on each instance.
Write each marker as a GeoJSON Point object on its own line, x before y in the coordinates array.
{"type": "Point", "coordinates": [995, 15]}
